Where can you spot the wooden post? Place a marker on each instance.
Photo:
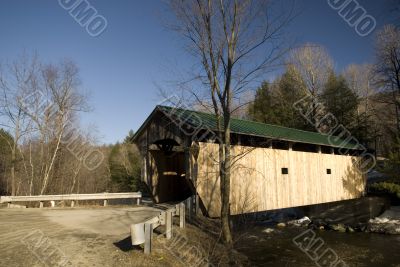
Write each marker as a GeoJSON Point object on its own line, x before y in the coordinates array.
{"type": "Point", "coordinates": [290, 146]}
{"type": "Point", "coordinates": [105, 202]}
{"type": "Point", "coordinates": [41, 204]}
{"type": "Point", "coordinates": [72, 203]}
{"type": "Point", "coordinates": [138, 201]}
{"type": "Point", "coordinates": [319, 149]}
{"type": "Point", "coordinates": [189, 207]}
{"type": "Point", "coordinates": [8, 204]}
{"type": "Point", "coordinates": [332, 151]}
{"type": "Point", "coordinates": [182, 215]}
{"type": "Point", "coordinates": [168, 224]}
{"type": "Point", "coordinates": [52, 203]}
{"type": "Point", "coordinates": [197, 205]}
{"type": "Point", "coordinates": [148, 233]}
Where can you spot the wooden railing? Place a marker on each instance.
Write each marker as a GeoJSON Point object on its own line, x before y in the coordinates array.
{"type": "Point", "coordinates": [71, 197]}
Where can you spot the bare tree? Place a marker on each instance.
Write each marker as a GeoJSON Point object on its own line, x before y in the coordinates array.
{"type": "Point", "coordinates": [314, 65]}
{"type": "Point", "coordinates": [360, 79]}
{"type": "Point", "coordinates": [38, 102]}
{"type": "Point", "coordinates": [63, 101]}
{"type": "Point", "coordinates": [387, 65]}
{"type": "Point", "coordinates": [233, 42]}
{"type": "Point", "coordinates": [16, 80]}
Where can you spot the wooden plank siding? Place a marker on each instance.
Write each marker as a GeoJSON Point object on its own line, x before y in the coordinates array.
{"type": "Point", "coordinates": [258, 185]}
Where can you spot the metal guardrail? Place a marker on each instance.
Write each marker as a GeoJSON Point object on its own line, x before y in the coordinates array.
{"type": "Point", "coordinates": [142, 233]}
{"type": "Point", "coordinates": [71, 197]}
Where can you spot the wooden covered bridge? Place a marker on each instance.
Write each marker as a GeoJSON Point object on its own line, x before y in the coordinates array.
{"type": "Point", "coordinates": [274, 167]}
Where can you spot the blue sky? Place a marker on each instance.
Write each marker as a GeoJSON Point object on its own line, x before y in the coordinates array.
{"type": "Point", "coordinates": [123, 67]}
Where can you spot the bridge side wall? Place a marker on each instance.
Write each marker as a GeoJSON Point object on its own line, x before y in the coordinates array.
{"type": "Point", "coordinates": [257, 182]}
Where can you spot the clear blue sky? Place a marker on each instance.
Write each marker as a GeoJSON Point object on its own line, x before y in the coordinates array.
{"type": "Point", "coordinates": [122, 67]}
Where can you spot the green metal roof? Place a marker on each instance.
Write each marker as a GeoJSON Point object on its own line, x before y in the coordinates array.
{"type": "Point", "coordinates": [247, 127]}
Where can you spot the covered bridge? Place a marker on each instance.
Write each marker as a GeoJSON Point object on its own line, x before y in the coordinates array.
{"type": "Point", "coordinates": [274, 167]}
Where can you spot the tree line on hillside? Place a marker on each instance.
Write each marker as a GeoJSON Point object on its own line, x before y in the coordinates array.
{"type": "Point", "coordinates": [363, 98]}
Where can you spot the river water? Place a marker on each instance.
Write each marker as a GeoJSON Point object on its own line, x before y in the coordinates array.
{"type": "Point", "coordinates": [352, 249]}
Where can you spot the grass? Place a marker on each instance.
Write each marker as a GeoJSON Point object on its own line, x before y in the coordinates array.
{"type": "Point", "coordinates": [386, 188]}
{"type": "Point", "coordinates": [198, 244]}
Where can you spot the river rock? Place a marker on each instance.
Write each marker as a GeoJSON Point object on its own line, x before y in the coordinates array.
{"type": "Point", "coordinates": [338, 227]}
{"type": "Point", "coordinates": [268, 230]}
{"type": "Point", "coordinates": [281, 225]}
{"type": "Point", "coordinates": [300, 222]}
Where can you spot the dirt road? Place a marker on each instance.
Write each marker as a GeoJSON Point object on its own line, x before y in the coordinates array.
{"type": "Point", "coordinates": [72, 237]}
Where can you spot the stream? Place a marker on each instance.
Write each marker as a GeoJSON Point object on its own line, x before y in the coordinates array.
{"type": "Point", "coordinates": [354, 249]}
{"type": "Point", "coordinates": [269, 245]}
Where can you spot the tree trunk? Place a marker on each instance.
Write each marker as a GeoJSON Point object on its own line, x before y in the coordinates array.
{"type": "Point", "coordinates": [225, 182]}
{"type": "Point", "coordinates": [13, 184]}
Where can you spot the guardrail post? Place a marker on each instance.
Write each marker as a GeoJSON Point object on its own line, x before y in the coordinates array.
{"type": "Point", "coordinates": [148, 233]}
{"type": "Point", "coordinates": [8, 204]}
{"type": "Point", "coordinates": [52, 203]}
{"type": "Point", "coordinates": [168, 224]}
{"type": "Point", "coordinates": [41, 204]}
{"type": "Point", "coordinates": [72, 203]}
{"type": "Point", "coordinates": [105, 202]}
{"type": "Point", "coordinates": [182, 215]}
{"type": "Point", "coordinates": [138, 201]}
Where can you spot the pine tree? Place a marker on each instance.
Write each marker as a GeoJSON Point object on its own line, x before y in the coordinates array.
{"type": "Point", "coordinates": [274, 102]}
{"type": "Point", "coordinates": [342, 102]}
{"type": "Point", "coordinates": [125, 166]}
{"type": "Point", "coordinates": [263, 109]}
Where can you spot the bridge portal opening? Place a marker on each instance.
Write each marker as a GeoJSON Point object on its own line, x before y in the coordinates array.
{"type": "Point", "coordinates": [169, 166]}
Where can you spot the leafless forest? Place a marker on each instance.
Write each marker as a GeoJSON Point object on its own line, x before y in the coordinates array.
{"type": "Point", "coordinates": [44, 149]}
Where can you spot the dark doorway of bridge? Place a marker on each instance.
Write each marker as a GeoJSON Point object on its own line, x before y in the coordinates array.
{"type": "Point", "coordinates": [172, 184]}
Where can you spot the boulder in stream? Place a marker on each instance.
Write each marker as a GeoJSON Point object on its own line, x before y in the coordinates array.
{"type": "Point", "coordinates": [300, 222]}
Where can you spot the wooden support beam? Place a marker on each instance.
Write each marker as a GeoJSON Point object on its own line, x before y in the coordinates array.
{"type": "Point", "coordinates": [196, 212]}
{"type": "Point", "coordinates": [168, 224]}
{"type": "Point", "coordinates": [189, 207]}
{"type": "Point", "coordinates": [269, 143]}
{"type": "Point", "coordinates": [148, 234]}
{"type": "Point", "coordinates": [182, 215]}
